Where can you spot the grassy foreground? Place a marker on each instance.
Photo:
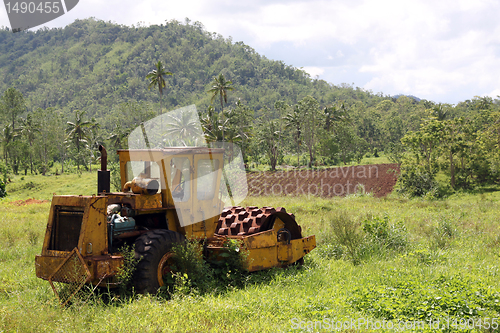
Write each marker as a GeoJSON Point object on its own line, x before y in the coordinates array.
{"type": "Point", "coordinates": [448, 267]}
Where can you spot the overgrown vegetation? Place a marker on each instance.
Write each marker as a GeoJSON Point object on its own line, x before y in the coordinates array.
{"type": "Point", "coordinates": [360, 240]}
{"type": "Point", "coordinates": [416, 257]}
{"type": "Point", "coordinates": [445, 298]}
{"type": "Point", "coordinates": [126, 272]}
{"type": "Point", "coordinates": [193, 274]}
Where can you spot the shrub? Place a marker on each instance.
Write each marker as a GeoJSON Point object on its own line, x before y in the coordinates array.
{"type": "Point", "coordinates": [392, 236]}
{"type": "Point", "coordinates": [358, 241]}
{"type": "Point", "coordinates": [229, 266]}
{"type": "Point", "coordinates": [348, 234]}
{"type": "Point", "coordinates": [192, 272]}
{"type": "Point", "coordinates": [416, 181]}
{"type": "Point", "coordinates": [3, 192]}
{"type": "Point", "coordinates": [195, 274]}
{"type": "Point", "coordinates": [126, 271]}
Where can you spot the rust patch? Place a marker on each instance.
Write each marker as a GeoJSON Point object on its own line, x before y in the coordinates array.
{"type": "Point", "coordinates": [242, 221]}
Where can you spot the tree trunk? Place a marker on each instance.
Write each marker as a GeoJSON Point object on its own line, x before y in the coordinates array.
{"type": "Point", "coordinates": [62, 162]}
{"type": "Point", "coordinates": [298, 154]}
{"type": "Point", "coordinates": [452, 170]}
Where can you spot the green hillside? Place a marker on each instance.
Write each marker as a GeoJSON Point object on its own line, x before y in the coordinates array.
{"type": "Point", "coordinates": [94, 65]}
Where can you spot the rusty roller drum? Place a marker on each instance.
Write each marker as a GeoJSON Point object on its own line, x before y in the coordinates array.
{"type": "Point", "coordinates": [244, 221]}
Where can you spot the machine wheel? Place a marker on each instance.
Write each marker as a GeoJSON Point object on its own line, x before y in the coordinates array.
{"type": "Point", "coordinates": [154, 250]}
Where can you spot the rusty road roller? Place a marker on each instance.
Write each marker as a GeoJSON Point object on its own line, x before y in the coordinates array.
{"type": "Point", "coordinates": [168, 195]}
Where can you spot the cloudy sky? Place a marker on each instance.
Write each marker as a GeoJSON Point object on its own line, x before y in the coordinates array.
{"type": "Point", "coordinates": [445, 51]}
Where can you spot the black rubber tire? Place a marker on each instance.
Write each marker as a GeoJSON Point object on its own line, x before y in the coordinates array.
{"type": "Point", "coordinates": [150, 248]}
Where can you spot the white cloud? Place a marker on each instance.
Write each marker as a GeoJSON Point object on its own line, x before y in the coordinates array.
{"type": "Point", "coordinates": [313, 71]}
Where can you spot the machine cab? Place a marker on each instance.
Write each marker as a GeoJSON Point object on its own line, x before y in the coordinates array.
{"type": "Point", "coordinates": [184, 179]}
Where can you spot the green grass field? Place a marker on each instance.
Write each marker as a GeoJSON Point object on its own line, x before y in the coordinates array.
{"type": "Point", "coordinates": [431, 259]}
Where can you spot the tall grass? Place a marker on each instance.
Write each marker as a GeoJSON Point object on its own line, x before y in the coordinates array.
{"type": "Point", "coordinates": [451, 253]}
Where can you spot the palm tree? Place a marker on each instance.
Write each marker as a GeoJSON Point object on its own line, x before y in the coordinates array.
{"type": "Point", "coordinates": [8, 137]}
{"type": "Point", "coordinates": [77, 132]}
{"type": "Point", "coordinates": [156, 80]}
{"type": "Point", "coordinates": [220, 87]}
{"type": "Point", "coordinates": [213, 126]}
{"type": "Point", "coordinates": [28, 130]}
{"type": "Point", "coordinates": [183, 127]}
{"type": "Point", "coordinates": [117, 137]}
{"type": "Point", "coordinates": [210, 125]}
{"type": "Point", "coordinates": [335, 113]}
{"type": "Point", "coordinates": [439, 112]}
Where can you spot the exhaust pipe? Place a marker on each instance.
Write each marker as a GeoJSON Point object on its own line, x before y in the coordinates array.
{"type": "Point", "coordinates": [103, 175]}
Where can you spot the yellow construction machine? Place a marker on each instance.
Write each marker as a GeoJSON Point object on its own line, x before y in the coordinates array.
{"type": "Point", "coordinates": [168, 195]}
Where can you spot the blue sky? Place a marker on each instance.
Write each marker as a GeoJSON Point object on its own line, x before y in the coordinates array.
{"type": "Point", "coordinates": [444, 51]}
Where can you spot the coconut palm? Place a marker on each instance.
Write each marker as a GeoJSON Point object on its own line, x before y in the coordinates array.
{"type": "Point", "coordinates": [28, 129]}
{"type": "Point", "coordinates": [213, 126]}
{"type": "Point", "coordinates": [335, 113]}
{"type": "Point", "coordinates": [220, 87]}
{"type": "Point", "coordinates": [118, 136]}
{"type": "Point", "coordinates": [439, 112]}
{"type": "Point", "coordinates": [183, 127]}
{"type": "Point", "coordinates": [156, 80]}
{"type": "Point", "coordinates": [77, 133]}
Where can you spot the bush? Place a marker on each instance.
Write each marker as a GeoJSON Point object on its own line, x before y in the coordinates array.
{"type": "Point", "coordinates": [347, 233]}
{"type": "Point", "coordinates": [126, 271]}
{"type": "Point", "coordinates": [358, 241]}
{"type": "Point", "coordinates": [3, 192]}
{"type": "Point", "coordinates": [191, 272]}
{"type": "Point", "coordinates": [415, 181]}
{"type": "Point", "coordinates": [229, 266]}
{"type": "Point", "coordinates": [392, 236]}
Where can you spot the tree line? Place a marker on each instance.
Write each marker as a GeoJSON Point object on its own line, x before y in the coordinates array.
{"type": "Point", "coordinates": [424, 137]}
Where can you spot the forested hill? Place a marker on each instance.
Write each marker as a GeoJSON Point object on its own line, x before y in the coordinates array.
{"type": "Point", "coordinates": [65, 91]}
{"type": "Point", "coordinates": [94, 65]}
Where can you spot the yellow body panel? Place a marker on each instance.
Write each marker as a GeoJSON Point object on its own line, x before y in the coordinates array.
{"type": "Point", "coordinates": [265, 251]}
{"type": "Point", "coordinates": [263, 255]}
{"type": "Point", "coordinates": [93, 225]}
{"type": "Point", "coordinates": [92, 241]}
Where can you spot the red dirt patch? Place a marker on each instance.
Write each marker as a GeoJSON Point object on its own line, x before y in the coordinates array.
{"type": "Point", "coordinates": [30, 201]}
{"type": "Point", "coordinates": [378, 179]}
